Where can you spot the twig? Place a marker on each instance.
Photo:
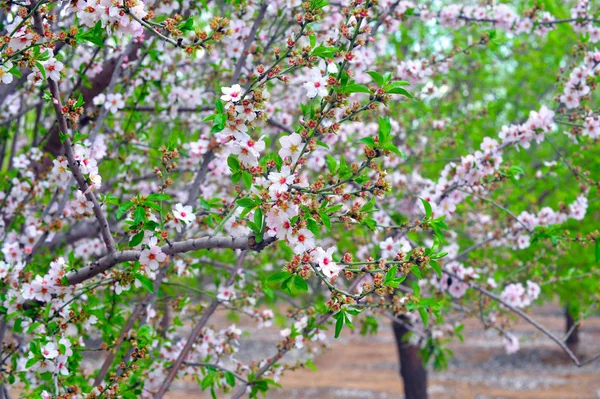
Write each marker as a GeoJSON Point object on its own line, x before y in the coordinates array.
{"type": "Point", "coordinates": [191, 340]}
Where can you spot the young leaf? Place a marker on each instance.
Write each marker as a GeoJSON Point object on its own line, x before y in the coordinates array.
{"type": "Point", "coordinates": [368, 141]}
{"type": "Point", "coordinates": [377, 77]}
{"type": "Point", "coordinates": [400, 90]}
{"type": "Point", "coordinates": [247, 178]}
{"type": "Point", "coordinates": [428, 209]}
{"type": "Point", "coordinates": [356, 88]}
{"type": "Point", "coordinates": [339, 324]}
{"type": "Point", "coordinates": [300, 284]}
{"type": "Point", "coordinates": [123, 209]}
{"type": "Point", "coordinates": [278, 277]}
{"type": "Point", "coordinates": [246, 203]}
{"type": "Point", "coordinates": [146, 282]}
{"type": "Point", "coordinates": [158, 197]}
{"type": "Point", "coordinates": [139, 215]}
{"type": "Point", "coordinates": [136, 239]}
{"type": "Point", "coordinates": [385, 128]}
{"type": "Point", "coordinates": [436, 266]}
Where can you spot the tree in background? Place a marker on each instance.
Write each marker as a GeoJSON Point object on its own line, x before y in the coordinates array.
{"type": "Point", "coordinates": [353, 162]}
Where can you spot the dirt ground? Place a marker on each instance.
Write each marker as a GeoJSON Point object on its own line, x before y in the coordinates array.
{"type": "Point", "coordinates": [359, 367]}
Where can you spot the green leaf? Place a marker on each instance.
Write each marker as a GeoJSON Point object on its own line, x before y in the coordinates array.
{"type": "Point", "coordinates": [299, 284]}
{"type": "Point", "coordinates": [123, 209]}
{"type": "Point", "coordinates": [368, 141]}
{"type": "Point", "coordinates": [80, 101]}
{"type": "Point", "coordinates": [247, 178]}
{"type": "Point", "coordinates": [391, 147]}
{"type": "Point", "coordinates": [369, 206]}
{"type": "Point", "coordinates": [230, 378]}
{"type": "Point", "coordinates": [188, 25]}
{"type": "Point", "coordinates": [42, 70]}
{"type": "Point", "coordinates": [331, 163]}
{"type": "Point", "coordinates": [400, 90]}
{"type": "Point", "coordinates": [325, 52]}
{"type": "Point", "coordinates": [258, 219]}
{"type": "Point", "coordinates": [415, 270]}
{"type": "Point", "coordinates": [279, 277]}
{"type": "Point", "coordinates": [385, 128]}
{"type": "Point", "coordinates": [219, 106]}
{"type": "Point", "coordinates": [77, 137]}
{"type": "Point", "coordinates": [136, 239]}
{"type": "Point", "coordinates": [397, 84]}
{"type": "Point", "coordinates": [339, 324]}
{"type": "Point", "coordinates": [598, 250]}
{"type": "Point", "coordinates": [312, 225]}
{"type": "Point", "coordinates": [356, 88]}
{"type": "Point", "coordinates": [94, 35]}
{"type": "Point", "coordinates": [139, 215]}
{"type": "Point", "coordinates": [319, 143]}
{"type": "Point", "coordinates": [390, 279]}
{"type": "Point", "coordinates": [326, 220]}
{"type": "Point", "coordinates": [390, 275]}
{"type": "Point", "coordinates": [17, 327]}
{"type": "Point", "coordinates": [377, 77]}
{"type": "Point", "coordinates": [246, 202]}
{"type": "Point", "coordinates": [146, 282]}
{"type": "Point", "coordinates": [158, 197]}
{"type": "Point", "coordinates": [31, 362]}
{"type": "Point", "coordinates": [428, 209]}
{"type": "Point", "coordinates": [233, 163]}
{"type": "Point", "coordinates": [424, 316]}
{"type": "Point", "coordinates": [436, 266]}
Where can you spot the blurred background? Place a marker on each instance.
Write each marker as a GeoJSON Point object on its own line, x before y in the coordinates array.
{"type": "Point", "coordinates": [361, 367]}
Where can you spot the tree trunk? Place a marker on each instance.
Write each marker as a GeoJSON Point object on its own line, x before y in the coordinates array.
{"type": "Point", "coordinates": [573, 338]}
{"type": "Point", "coordinates": [412, 371]}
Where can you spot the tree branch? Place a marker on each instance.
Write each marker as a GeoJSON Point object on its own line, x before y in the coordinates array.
{"type": "Point", "coordinates": [81, 181]}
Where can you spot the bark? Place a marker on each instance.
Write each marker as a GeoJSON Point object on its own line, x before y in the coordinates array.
{"type": "Point", "coordinates": [572, 330]}
{"type": "Point", "coordinates": [99, 83]}
{"type": "Point", "coordinates": [412, 371]}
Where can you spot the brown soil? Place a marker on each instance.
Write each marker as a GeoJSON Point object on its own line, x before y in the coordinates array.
{"type": "Point", "coordinates": [367, 367]}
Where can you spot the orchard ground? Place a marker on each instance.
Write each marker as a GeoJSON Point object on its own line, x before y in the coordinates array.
{"type": "Point", "coordinates": [367, 367]}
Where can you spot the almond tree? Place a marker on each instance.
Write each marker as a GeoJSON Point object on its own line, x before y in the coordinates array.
{"type": "Point", "coordinates": [314, 167]}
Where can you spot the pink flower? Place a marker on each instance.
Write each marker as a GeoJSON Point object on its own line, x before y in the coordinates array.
{"type": "Point", "coordinates": [114, 102]}
{"type": "Point", "coordinates": [233, 93]}
{"type": "Point", "coordinates": [184, 213]}
{"type": "Point", "coordinates": [302, 241]}
{"type": "Point", "coordinates": [49, 351]}
{"type": "Point", "coordinates": [226, 293]}
{"type": "Point", "coordinates": [290, 146]}
{"type": "Point", "coordinates": [316, 86]}
{"type": "Point", "coordinates": [325, 261]}
{"type": "Point", "coordinates": [280, 181]}
{"type": "Point", "coordinates": [152, 257]}
{"type": "Point", "coordinates": [53, 68]}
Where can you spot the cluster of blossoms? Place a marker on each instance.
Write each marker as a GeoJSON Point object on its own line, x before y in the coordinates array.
{"type": "Point", "coordinates": [113, 101]}
{"type": "Point", "coordinates": [502, 16]}
{"type": "Point", "coordinates": [43, 288]}
{"type": "Point", "coordinates": [577, 87]}
{"type": "Point", "coordinates": [580, 13]}
{"type": "Point", "coordinates": [113, 16]}
{"type": "Point", "coordinates": [473, 168]}
{"type": "Point", "coordinates": [517, 296]}
{"type": "Point", "coordinates": [87, 157]}
{"type": "Point", "coordinates": [457, 287]}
